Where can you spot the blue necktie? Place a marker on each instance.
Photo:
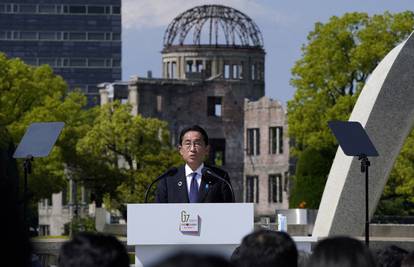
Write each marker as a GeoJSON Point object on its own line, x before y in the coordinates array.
{"type": "Point", "coordinates": [194, 189]}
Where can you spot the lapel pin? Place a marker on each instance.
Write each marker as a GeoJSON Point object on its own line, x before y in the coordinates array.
{"type": "Point", "coordinates": [180, 183]}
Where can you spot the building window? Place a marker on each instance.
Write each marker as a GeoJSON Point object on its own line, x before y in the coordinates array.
{"type": "Point", "coordinates": [78, 62]}
{"type": "Point", "coordinates": [286, 182]}
{"type": "Point", "coordinates": [47, 35]}
{"type": "Point", "coordinates": [208, 69]}
{"type": "Point", "coordinates": [65, 196]}
{"type": "Point", "coordinates": [276, 140]}
{"type": "Point", "coordinates": [96, 62]}
{"type": "Point", "coordinates": [47, 8]}
{"type": "Point", "coordinates": [253, 141]}
{"type": "Point", "coordinates": [168, 70]}
{"type": "Point", "coordinates": [159, 103]}
{"type": "Point", "coordinates": [27, 8]}
{"type": "Point", "coordinates": [252, 189]}
{"type": "Point", "coordinates": [199, 65]}
{"type": "Point", "coordinates": [253, 72]}
{"type": "Point", "coordinates": [92, 89]}
{"type": "Point", "coordinates": [116, 63]}
{"type": "Point", "coordinates": [65, 62]}
{"type": "Point", "coordinates": [96, 36]}
{"type": "Point", "coordinates": [189, 66]}
{"type": "Point", "coordinates": [116, 36]}
{"type": "Point", "coordinates": [44, 230]}
{"type": "Point", "coordinates": [116, 10]}
{"type": "Point", "coordinates": [28, 35]}
{"type": "Point", "coordinates": [226, 71]}
{"type": "Point", "coordinates": [77, 36]}
{"type": "Point", "coordinates": [217, 155]}
{"type": "Point", "coordinates": [30, 61]}
{"type": "Point", "coordinates": [275, 188]}
{"type": "Point", "coordinates": [173, 69]}
{"type": "Point", "coordinates": [235, 70]}
{"type": "Point", "coordinates": [48, 61]}
{"type": "Point", "coordinates": [96, 10]}
{"type": "Point", "coordinates": [214, 106]}
{"type": "Point", "coordinates": [77, 9]}
{"type": "Point", "coordinates": [241, 74]}
{"type": "Point", "coordinates": [260, 71]}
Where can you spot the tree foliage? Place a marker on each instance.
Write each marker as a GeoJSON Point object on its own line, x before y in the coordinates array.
{"type": "Point", "coordinates": [335, 64]}
{"type": "Point", "coordinates": [124, 153]}
{"type": "Point", "coordinates": [23, 87]}
{"type": "Point", "coordinates": [34, 94]}
{"type": "Point", "coordinates": [311, 172]}
{"type": "Point", "coordinates": [110, 151]}
{"type": "Point", "coordinates": [49, 174]}
{"type": "Point", "coordinates": [398, 195]}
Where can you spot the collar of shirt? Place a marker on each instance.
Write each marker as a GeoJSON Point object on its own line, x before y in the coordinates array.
{"type": "Point", "coordinates": [189, 175]}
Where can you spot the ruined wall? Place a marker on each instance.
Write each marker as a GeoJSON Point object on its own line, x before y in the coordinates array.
{"type": "Point", "coordinates": [183, 103]}
{"type": "Point", "coordinates": [262, 115]}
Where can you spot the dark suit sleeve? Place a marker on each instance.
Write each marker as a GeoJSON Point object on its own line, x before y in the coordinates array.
{"type": "Point", "coordinates": [161, 195]}
{"type": "Point", "coordinates": [225, 190]}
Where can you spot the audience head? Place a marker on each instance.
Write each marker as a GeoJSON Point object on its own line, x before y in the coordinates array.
{"type": "Point", "coordinates": [390, 256]}
{"type": "Point", "coordinates": [188, 259]}
{"type": "Point", "coordinates": [303, 258]}
{"type": "Point", "coordinates": [93, 250]}
{"type": "Point", "coordinates": [342, 252]}
{"type": "Point", "coordinates": [408, 260]}
{"type": "Point", "coordinates": [266, 248]}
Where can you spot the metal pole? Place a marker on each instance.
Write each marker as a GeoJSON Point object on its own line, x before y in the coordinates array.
{"type": "Point", "coordinates": [366, 206]}
{"type": "Point", "coordinates": [25, 193]}
{"type": "Point", "coordinates": [364, 168]}
{"type": "Point", "coordinates": [27, 166]}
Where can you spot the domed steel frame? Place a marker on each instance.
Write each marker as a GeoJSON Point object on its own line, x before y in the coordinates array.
{"type": "Point", "coordinates": [236, 27]}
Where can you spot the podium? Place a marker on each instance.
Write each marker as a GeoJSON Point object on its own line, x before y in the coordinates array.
{"type": "Point", "coordinates": [158, 230]}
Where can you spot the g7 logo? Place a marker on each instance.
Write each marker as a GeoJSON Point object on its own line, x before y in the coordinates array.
{"type": "Point", "coordinates": [184, 216]}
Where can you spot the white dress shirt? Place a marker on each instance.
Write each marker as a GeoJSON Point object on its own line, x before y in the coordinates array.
{"type": "Point", "coordinates": [189, 175]}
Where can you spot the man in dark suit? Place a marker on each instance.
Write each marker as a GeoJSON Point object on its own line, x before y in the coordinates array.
{"type": "Point", "coordinates": [188, 184]}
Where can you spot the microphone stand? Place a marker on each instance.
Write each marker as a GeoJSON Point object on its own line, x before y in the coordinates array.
{"type": "Point", "coordinates": [170, 172]}
{"type": "Point", "coordinates": [210, 172]}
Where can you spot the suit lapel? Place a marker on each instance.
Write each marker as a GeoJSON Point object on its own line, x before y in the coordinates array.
{"type": "Point", "coordinates": [204, 188]}
{"type": "Point", "coordinates": [182, 185]}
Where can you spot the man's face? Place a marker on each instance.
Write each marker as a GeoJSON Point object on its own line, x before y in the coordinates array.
{"type": "Point", "coordinates": [193, 149]}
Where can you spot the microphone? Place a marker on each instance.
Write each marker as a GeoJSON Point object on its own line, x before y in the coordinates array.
{"type": "Point", "coordinates": [170, 172]}
{"type": "Point", "coordinates": [208, 171]}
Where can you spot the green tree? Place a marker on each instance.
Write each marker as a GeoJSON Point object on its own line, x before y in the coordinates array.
{"type": "Point", "coordinates": [126, 153]}
{"type": "Point", "coordinates": [398, 195]}
{"type": "Point", "coordinates": [49, 173]}
{"type": "Point", "coordinates": [311, 171]}
{"type": "Point", "coordinates": [23, 87]}
{"type": "Point", "coordinates": [335, 64]}
{"type": "Point", "coordinates": [35, 94]}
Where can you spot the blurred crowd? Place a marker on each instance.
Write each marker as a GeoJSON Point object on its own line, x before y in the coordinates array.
{"type": "Point", "coordinates": [262, 248]}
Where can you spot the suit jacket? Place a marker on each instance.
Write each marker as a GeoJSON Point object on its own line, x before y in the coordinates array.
{"type": "Point", "coordinates": [173, 189]}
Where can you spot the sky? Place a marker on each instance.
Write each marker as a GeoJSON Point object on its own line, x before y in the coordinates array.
{"type": "Point", "coordinates": [284, 25]}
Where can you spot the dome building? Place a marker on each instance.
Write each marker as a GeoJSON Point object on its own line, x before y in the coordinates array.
{"type": "Point", "coordinates": [213, 61]}
{"type": "Point", "coordinates": [214, 42]}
